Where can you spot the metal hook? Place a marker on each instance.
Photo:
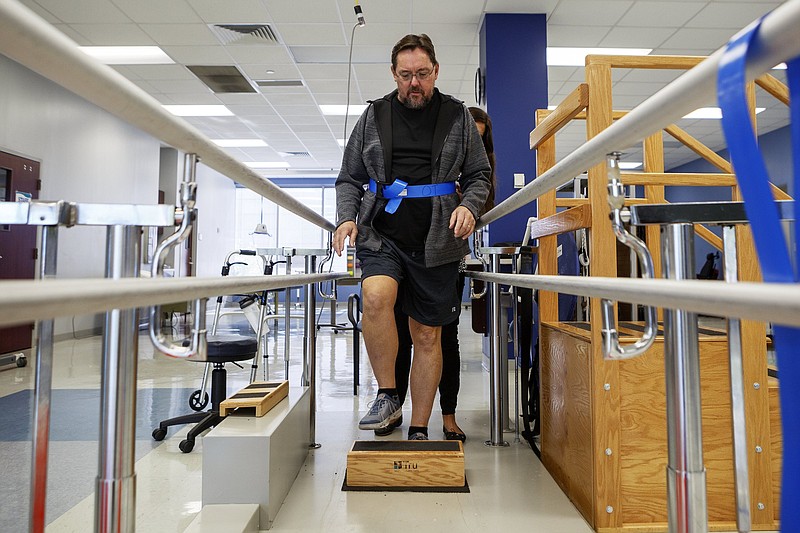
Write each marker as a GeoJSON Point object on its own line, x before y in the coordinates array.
{"type": "Point", "coordinates": [477, 244]}
{"type": "Point", "coordinates": [612, 350]}
{"type": "Point", "coordinates": [197, 347]}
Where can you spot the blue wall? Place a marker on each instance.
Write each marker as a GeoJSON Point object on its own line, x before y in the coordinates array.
{"type": "Point", "coordinates": [513, 60]}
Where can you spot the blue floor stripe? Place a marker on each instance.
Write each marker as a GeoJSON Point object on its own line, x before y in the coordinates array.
{"type": "Point", "coordinates": [75, 413]}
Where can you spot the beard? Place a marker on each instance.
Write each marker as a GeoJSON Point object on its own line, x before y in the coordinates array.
{"type": "Point", "coordinates": [419, 101]}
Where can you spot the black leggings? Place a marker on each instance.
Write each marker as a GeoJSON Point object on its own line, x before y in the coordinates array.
{"type": "Point", "coordinates": [450, 381]}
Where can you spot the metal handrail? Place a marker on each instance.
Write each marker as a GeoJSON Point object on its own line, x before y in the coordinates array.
{"type": "Point", "coordinates": [25, 301]}
{"type": "Point", "coordinates": [34, 43]}
{"type": "Point", "coordinates": [696, 88]}
{"type": "Point", "coordinates": [764, 302]}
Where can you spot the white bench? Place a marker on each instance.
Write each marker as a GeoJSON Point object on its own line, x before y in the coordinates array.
{"type": "Point", "coordinates": [256, 460]}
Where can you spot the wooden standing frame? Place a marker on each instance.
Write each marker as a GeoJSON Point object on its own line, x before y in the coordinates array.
{"type": "Point", "coordinates": [604, 422]}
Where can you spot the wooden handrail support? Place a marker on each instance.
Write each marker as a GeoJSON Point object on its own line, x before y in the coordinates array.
{"type": "Point", "coordinates": [646, 62]}
{"type": "Point", "coordinates": [678, 179]}
{"type": "Point", "coordinates": [712, 157]}
{"type": "Point", "coordinates": [560, 116]}
{"type": "Point", "coordinates": [773, 86]}
{"type": "Point", "coordinates": [575, 218]}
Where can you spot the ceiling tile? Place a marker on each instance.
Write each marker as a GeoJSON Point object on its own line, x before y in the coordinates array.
{"type": "Point", "coordinates": [312, 34]}
{"type": "Point", "coordinates": [73, 34]}
{"type": "Point", "coordinates": [173, 11]}
{"type": "Point", "coordinates": [377, 11]}
{"type": "Point", "coordinates": [589, 13]}
{"type": "Point", "coordinates": [114, 34]}
{"type": "Point", "coordinates": [91, 11]}
{"type": "Point", "coordinates": [283, 11]}
{"type": "Point", "coordinates": [733, 16]}
{"type": "Point", "coordinates": [660, 14]}
{"type": "Point", "coordinates": [313, 71]}
{"type": "Point", "coordinates": [425, 11]}
{"type": "Point", "coordinates": [240, 11]}
{"type": "Point", "coordinates": [198, 55]}
{"type": "Point", "coordinates": [521, 6]}
{"type": "Point", "coordinates": [377, 33]}
{"type": "Point", "coordinates": [180, 34]}
{"type": "Point", "coordinates": [575, 36]}
{"type": "Point", "coordinates": [705, 39]}
{"type": "Point", "coordinates": [636, 37]}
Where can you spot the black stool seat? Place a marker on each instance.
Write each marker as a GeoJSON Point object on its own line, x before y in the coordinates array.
{"type": "Point", "coordinates": [229, 348]}
{"type": "Point", "coordinates": [221, 349]}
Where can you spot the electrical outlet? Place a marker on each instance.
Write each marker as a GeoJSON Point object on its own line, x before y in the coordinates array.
{"type": "Point", "coordinates": [519, 181]}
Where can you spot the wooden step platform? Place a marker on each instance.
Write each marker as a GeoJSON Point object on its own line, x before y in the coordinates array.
{"type": "Point", "coordinates": [255, 399]}
{"type": "Point", "coordinates": [406, 464]}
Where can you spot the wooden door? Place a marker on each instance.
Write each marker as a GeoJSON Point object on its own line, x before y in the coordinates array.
{"type": "Point", "coordinates": [19, 182]}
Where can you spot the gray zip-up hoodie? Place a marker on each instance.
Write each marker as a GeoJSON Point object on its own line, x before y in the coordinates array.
{"type": "Point", "coordinates": [458, 155]}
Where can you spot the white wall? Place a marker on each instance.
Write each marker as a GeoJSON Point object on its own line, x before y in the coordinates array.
{"type": "Point", "coordinates": [86, 155]}
{"type": "Point", "coordinates": [216, 222]}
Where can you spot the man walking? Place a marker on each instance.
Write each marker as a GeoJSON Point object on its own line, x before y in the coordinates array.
{"type": "Point", "coordinates": [396, 199]}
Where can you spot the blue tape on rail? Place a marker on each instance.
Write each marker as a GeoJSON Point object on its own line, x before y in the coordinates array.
{"type": "Point", "coordinates": [773, 252]}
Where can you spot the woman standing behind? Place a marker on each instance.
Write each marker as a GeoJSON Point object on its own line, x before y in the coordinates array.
{"type": "Point", "coordinates": [450, 381]}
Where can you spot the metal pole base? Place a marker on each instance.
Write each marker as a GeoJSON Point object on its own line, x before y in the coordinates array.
{"type": "Point", "coordinates": [120, 497]}
{"type": "Point", "coordinates": [314, 446]}
{"type": "Point", "coordinates": [501, 444]}
{"type": "Point", "coordinates": [688, 516]}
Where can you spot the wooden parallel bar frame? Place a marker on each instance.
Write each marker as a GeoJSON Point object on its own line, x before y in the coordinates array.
{"type": "Point", "coordinates": [561, 115]}
{"type": "Point", "coordinates": [575, 218]}
{"type": "Point", "coordinates": [591, 475]}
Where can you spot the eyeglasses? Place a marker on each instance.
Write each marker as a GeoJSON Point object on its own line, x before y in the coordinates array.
{"type": "Point", "coordinates": [421, 75]}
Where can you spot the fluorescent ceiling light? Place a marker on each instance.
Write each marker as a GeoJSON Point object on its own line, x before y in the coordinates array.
{"type": "Point", "coordinates": [629, 165]}
{"type": "Point", "coordinates": [712, 113]}
{"type": "Point", "coordinates": [199, 110]}
{"type": "Point", "coordinates": [576, 57]}
{"type": "Point", "coordinates": [239, 143]}
{"type": "Point", "coordinates": [266, 164]}
{"type": "Point", "coordinates": [354, 109]}
{"type": "Point", "coordinates": [128, 55]}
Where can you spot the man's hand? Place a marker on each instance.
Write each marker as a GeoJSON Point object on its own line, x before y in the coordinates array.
{"type": "Point", "coordinates": [347, 229]}
{"type": "Point", "coordinates": [462, 222]}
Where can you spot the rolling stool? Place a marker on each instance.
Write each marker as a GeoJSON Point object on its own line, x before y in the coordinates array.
{"type": "Point", "coordinates": [221, 349]}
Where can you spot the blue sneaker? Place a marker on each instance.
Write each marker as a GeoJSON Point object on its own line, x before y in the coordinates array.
{"type": "Point", "coordinates": [383, 412]}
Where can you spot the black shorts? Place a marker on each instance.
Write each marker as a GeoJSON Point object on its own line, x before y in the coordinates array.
{"type": "Point", "coordinates": [428, 295]}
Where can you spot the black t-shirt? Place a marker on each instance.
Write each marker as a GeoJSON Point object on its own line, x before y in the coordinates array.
{"type": "Point", "coordinates": [412, 143]}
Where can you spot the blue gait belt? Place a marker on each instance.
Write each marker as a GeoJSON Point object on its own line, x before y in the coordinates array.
{"type": "Point", "coordinates": [399, 189]}
{"type": "Point", "coordinates": [773, 253]}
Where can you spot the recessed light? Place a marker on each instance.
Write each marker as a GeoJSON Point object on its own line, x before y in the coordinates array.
{"type": "Point", "coordinates": [712, 113]}
{"type": "Point", "coordinates": [353, 109]}
{"type": "Point", "coordinates": [128, 55]}
{"type": "Point", "coordinates": [266, 164]}
{"type": "Point", "coordinates": [270, 71]}
{"type": "Point", "coordinates": [239, 143]}
{"type": "Point", "coordinates": [779, 66]}
{"type": "Point", "coordinates": [558, 56]}
{"type": "Point", "coordinates": [199, 110]}
{"type": "Point", "coordinates": [341, 142]}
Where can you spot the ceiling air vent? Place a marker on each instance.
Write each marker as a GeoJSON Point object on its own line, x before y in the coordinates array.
{"type": "Point", "coordinates": [279, 83]}
{"type": "Point", "coordinates": [295, 154]}
{"type": "Point", "coordinates": [222, 79]}
{"type": "Point", "coordinates": [244, 33]}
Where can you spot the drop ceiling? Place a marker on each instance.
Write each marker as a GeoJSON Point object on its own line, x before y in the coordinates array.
{"type": "Point", "coordinates": [297, 59]}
